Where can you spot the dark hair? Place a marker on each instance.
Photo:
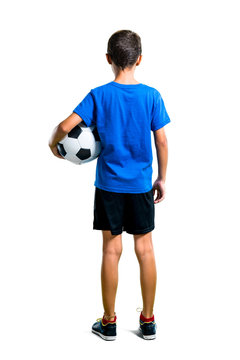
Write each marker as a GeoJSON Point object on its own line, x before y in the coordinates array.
{"type": "Point", "coordinates": [124, 47]}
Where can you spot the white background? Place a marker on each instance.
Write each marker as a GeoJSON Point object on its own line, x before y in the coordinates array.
{"type": "Point", "coordinates": [53, 53]}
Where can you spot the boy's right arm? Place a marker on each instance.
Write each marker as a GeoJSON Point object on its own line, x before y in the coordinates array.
{"type": "Point", "coordinates": [62, 129]}
{"type": "Point", "coordinates": [162, 159]}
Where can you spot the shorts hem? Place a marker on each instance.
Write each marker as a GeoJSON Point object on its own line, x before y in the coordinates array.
{"type": "Point", "coordinates": [143, 231]}
{"type": "Point", "coordinates": [132, 232]}
{"type": "Point", "coordinates": [113, 232]}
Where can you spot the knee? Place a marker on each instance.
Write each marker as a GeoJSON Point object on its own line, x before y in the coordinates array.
{"type": "Point", "coordinates": [143, 249]}
{"type": "Point", "coordinates": [113, 251]}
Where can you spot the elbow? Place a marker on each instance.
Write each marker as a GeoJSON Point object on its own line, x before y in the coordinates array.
{"type": "Point", "coordinates": [62, 128]}
{"type": "Point", "coordinates": [162, 142]}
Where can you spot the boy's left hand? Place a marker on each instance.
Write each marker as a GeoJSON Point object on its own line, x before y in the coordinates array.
{"type": "Point", "coordinates": [55, 152]}
{"type": "Point", "coordinates": [159, 186]}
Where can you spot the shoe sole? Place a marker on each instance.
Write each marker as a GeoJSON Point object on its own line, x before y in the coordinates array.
{"type": "Point", "coordinates": [108, 338]}
{"type": "Point", "coordinates": [147, 337]}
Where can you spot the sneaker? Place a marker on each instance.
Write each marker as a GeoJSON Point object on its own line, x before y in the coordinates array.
{"type": "Point", "coordinates": [106, 329]}
{"type": "Point", "coordinates": [147, 327]}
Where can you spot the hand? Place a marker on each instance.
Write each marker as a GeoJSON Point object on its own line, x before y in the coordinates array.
{"type": "Point", "coordinates": [55, 152]}
{"type": "Point", "coordinates": [159, 186]}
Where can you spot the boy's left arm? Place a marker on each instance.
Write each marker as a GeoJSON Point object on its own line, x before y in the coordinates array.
{"type": "Point", "coordinates": [62, 130]}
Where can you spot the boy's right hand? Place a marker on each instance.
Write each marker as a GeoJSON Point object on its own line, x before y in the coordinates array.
{"type": "Point", "coordinates": [159, 186]}
{"type": "Point", "coordinates": [55, 151]}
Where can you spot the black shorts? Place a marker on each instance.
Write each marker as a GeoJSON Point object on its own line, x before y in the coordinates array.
{"type": "Point", "coordinates": [133, 213]}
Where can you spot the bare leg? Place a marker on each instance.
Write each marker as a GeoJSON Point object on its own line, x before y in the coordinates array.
{"type": "Point", "coordinates": [112, 249]}
{"type": "Point", "coordinates": [148, 273]}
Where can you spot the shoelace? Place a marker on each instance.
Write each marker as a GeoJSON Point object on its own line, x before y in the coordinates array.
{"type": "Point", "coordinates": [106, 317]}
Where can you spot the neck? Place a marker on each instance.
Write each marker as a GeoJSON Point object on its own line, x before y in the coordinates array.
{"type": "Point", "coordinates": [125, 77]}
{"type": "Point", "coordinates": [126, 81]}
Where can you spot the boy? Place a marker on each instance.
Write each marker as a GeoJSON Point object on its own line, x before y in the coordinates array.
{"type": "Point", "coordinates": [125, 112]}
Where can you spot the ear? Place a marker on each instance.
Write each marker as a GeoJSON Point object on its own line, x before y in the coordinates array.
{"type": "Point", "coordinates": [139, 60]}
{"type": "Point", "coordinates": [109, 60]}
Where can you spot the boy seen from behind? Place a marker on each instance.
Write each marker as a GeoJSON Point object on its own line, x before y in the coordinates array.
{"type": "Point", "coordinates": [125, 112]}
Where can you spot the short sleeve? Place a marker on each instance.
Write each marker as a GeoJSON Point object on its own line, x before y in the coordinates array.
{"type": "Point", "coordinates": [159, 116]}
{"type": "Point", "coordinates": [86, 110]}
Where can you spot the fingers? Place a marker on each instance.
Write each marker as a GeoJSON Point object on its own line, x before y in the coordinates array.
{"type": "Point", "coordinates": [59, 156]}
{"type": "Point", "coordinates": [160, 195]}
{"type": "Point", "coordinates": [158, 198]}
{"type": "Point", "coordinates": [56, 152]}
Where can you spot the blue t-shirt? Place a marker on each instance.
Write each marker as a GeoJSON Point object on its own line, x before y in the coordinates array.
{"type": "Point", "coordinates": [125, 115]}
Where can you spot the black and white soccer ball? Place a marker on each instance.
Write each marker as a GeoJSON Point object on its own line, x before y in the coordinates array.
{"type": "Point", "coordinates": [81, 145]}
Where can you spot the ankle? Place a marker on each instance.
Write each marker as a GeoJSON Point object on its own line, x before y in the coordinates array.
{"type": "Point", "coordinates": [109, 316]}
{"type": "Point", "coordinates": [147, 314]}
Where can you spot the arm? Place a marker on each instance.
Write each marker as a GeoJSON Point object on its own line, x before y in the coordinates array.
{"type": "Point", "coordinates": [162, 158]}
{"type": "Point", "coordinates": [61, 130]}
{"type": "Point", "coordinates": [162, 152]}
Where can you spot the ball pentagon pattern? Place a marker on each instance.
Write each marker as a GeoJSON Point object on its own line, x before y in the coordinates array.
{"type": "Point", "coordinates": [81, 145]}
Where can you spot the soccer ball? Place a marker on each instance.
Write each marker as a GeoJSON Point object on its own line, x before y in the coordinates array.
{"type": "Point", "coordinates": [81, 145]}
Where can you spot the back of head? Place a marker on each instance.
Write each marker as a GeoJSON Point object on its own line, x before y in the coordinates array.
{"type": "Point", "coordinates": [124, 47]}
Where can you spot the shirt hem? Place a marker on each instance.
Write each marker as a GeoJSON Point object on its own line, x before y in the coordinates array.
{"type": "Point", "coordinates": [133, 191]}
